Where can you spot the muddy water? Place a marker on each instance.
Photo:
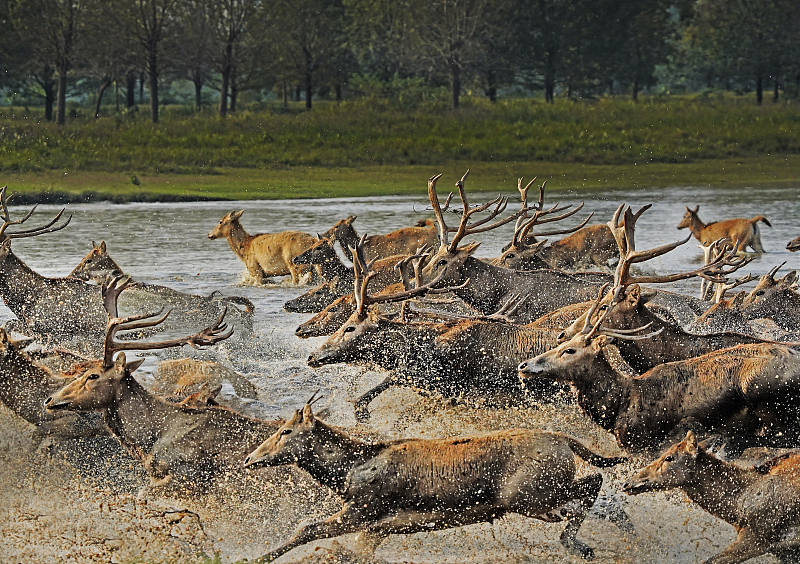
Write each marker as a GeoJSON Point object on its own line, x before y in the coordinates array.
{"type": "Point", "coordinates": [54, 514]}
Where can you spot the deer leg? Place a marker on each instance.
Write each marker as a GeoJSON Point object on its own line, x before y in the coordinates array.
{"type": "Point", "coordinates": [368, 541]}
{"type": "Point", "coordinates": [746, 546]}
{"type": "Point", "coordinates": [348, 520]}
{"type": "Point", "coordinates": [788, 549]}
{"type": "Point", "coordinates": [361, 404]}
{"type": "Point", "coordinates": [586, 491]}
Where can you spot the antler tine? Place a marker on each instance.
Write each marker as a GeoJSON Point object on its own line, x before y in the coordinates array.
{"type": "Point", "coordinates": [589, 328]}
{"type": "Point", "coordinates": [565, 231]}
{"type": "Point", "coordinates": [536, 220]}
{"type": "Point", "coordinates": [437, 210]}
{"type": "Point", "coordinates": [406, 294]}
{"type": "Point", "coordinates": [110, 290]}
{"type": "Point", "coordinates": [771, 274]}
{"type": "Point", "coordinates": [41, 230]}
{"type": "Point", "coordinates": [401, 265]}
{"type": "Point", "coordinates": [714, 271]}
{"type": "Point", "coordinates": [314, 397]}
{"type": "Point", "coordinates": [720, 290]}
{"type": "Point", "coordinates": [628, 335]}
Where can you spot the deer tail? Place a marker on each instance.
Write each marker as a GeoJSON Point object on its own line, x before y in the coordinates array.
{"type": "Point", "coordinates": [761, 218]}
{"type": "Point", "coordinates": [580, 450]}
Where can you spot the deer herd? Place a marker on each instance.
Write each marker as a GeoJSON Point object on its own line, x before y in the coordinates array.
{"type": "Point", "coordinates": [654, 368]}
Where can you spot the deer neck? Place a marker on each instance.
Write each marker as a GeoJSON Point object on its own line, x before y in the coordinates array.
{"type": "Point", "coordinates": [487, 287]}
{"type": "Point", "coordinates": [332, 455]}
{"type": "Point", "coordinates": [395, 344]}
{"type": "Point", "coordinates": [137, 418]}
{"type": "Point", "coordinates": [717, 486]}
{"type": "Point", "coordinates": [696, 226]}
{"type": "Point", "coordinates": [239, 240]}
{"type": "Point", "coordinates": [19, 283]}
{"type": "Point", "coordinates": [347, 238]}
{"type": "Point", "coordinates": [24, 385]}
{"type": "Point", "coordinates": [333, 267]}
{"type": "Point", "coordinates": [602, 392]}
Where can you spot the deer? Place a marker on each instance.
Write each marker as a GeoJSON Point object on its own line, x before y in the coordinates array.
{"type": "Point", "coordinates": [490, 286]}
{"type": "Point", "coordinates": [412, 485]}
{"type": "Point", "coordinates": [761, 502]}
{"type": "Point", "coordinates": [98, 265]}
{"type": "Point", "coordinates": [265, 254]}
{"type": "Point", "coordinates": [404, 241]}
{"type": "Point", "coordinates": [737, 390]}
{"type": "Point", "coordinates": [625, 307]}
{"type": "Point", "coordinates": [181, 450]}
{"type": "Point", "coordinates": [460, 358]}
{"type": "Point", "coordinates": [179, 377]}
{"type": "Point", "coordinates": [741, 230]}
{"type": "Point", "coordinates": [793, 245]}
{"type": "Point", "coordinates": [775, 299]}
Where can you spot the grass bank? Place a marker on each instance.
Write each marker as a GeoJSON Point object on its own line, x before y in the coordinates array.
{"type": "Point", "coordinates": [371, 147]}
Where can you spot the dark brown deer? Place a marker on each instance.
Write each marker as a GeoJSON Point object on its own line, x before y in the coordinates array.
{"type": "Point", "coordinates": [265, 254]}
{"type": "Point", "coordinates": [743, 231]}
{"type": "Point", "coordinates": [404, 241]}
{"type": "Point", "coordinates": [625, 307]}
{"type": "Point", "coordinates": [411, 485]}
{"type": "Point", "coordinates": [761, 502]}
{"type": "Point", "coordinates": [179, 448]}
{"type": "Point", "coordinates": [793, 245]}
{"type": "Point", "coordinates": [463, 358]}
{"type": "Point", "coordinates": [491, 286]}
{"type": "Point", "coordinates": [775, 299]}
{"type": "Point", "coordinates": [738, 389]}
{"type": "Point", "coordinates": [186, 309]}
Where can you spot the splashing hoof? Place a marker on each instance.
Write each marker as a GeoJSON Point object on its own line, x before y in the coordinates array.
{"type": "Point", "coordinates": [577, 547]}
{"type": "Point", "coordinates": [362, 413]}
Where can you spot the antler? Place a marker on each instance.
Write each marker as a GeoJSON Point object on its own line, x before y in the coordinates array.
{"type": "Point", "coordinates": [590, 330]}
{"type": "Point", "coordinates": [623, 232]}
{"type": "Point", "coordinates": [7, 222]}
{"type": "Point", "coordinates": [111, 290]}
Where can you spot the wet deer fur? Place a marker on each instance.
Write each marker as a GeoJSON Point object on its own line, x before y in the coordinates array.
{"type": "Point", "coordinates": [741, 230]}
{"type": "Point", "coordinates": [412, 485]}
{"type": "Point", "coordinates": [753, 385]}
{"type": "Point", "coordinates": [761, 502]}
{"type": "Point", "coordinates": [403, 241]}
{"type": "Point", "coordinates": [264, 254]}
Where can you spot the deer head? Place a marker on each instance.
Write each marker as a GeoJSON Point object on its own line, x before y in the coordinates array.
{"type": "Point", "coordinates": [675, 468]}
{"type": "Point", "coordinates": [688, 217]}
{"type": "Point", "coordinates": [225, 225]}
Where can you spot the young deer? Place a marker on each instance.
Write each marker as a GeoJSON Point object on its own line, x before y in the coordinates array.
{"type": "Point", "coordinates": [179, 448]}
{"type": "Point", "coordinates": [411, 485]}
{"type": "Point", "coordinates": [740, 231]}
{"type": "Point", "coordinates": [266, 254]}
{"type": "Point", "coordinates": [762, 502]}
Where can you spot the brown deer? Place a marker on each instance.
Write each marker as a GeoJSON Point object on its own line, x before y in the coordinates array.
{"type": "Point", "coordinates": [490, 286]}
{"type": "Point", "coordinates": [465, 357]}
{"type": "Point", "coordinates": [179, 448]}
{"type": "Point", "coordinates": [404, 241]}
{"type": "Point", "coordinates": [761, 502]}
{"type": "Point", "coordinates": [738, 389]}
{"type": "Point", "coordinates": [265, 254]}
{"type": "Point", "coordinates": [793, 245]}
{"type": "Point", "coordinates": [625, 307]}
{"type": "Point", "coordinates": [411, 485]}
{"type": "Point", "coordinates": [775, 299]}
{"type": "Point", "coordinates": [180, 377]}
{"type": "Point", "coordinates": [743, 231]}
{"type": "Point", "coordinates": [186, 309]}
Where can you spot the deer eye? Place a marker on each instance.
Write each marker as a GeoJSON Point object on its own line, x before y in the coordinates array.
{"type": "Point", "coordinates": [760, 293]}
{"type": "Point", "coordinates": [569, 351]}
{"type": "Point", "coordinates": [349, 329]}
{"type": "Point", "coordinates": [510, 255]}
{"type": "Point", "coordinates": [92, 376]}
{"type": "Point", "coordinates": [441, 263]}
{"type": "Point", "coordinates": [670, 458]}
{"type": "Point", "coordinates": [285, 432]}
{"type": "Point", "coordinates": [603, 307]}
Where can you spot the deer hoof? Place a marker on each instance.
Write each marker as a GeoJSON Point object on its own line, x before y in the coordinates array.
{"type": "Point", "coordinates": [362, 413]}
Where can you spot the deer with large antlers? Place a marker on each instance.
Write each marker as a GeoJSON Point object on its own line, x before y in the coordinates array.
{"type": "Point", "coordinates": [741, 231]}
{"type": "Point", "coordinates": [762, 502]}
{"type": "Point", "coordinates": [179, 448]}
{"type": "Point", "coordinates": [490, 286]}
{"type": "Point", "coordinates": [625, 307]}
{"type": "Point", "coordinates": [464, 357]}
{"type": "Point", "coordinates": [411, 485]}
{"type": "Point", "coordinates": [737, 390]}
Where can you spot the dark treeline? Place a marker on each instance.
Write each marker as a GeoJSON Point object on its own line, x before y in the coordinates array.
{"type": "Point", "coordinates": [51, 50]}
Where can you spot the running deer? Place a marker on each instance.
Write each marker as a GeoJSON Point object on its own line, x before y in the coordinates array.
{"type": "Point", "coordinates": [265, 254]}
{"type": "Point", "coordinates": [187, 310]}
{"type": "Point", "coordinates": [490, 286]}
{"type": "Point", "coordinates": [402, 241]}
{"type": "Point", "coordinates": [741, 231]}
{"type": "Point", "coordinates": [775, 299]}
{"type": "Point", "coordinates": [461, 358]}
{"type": "Point", "coordinates": [179, 448]}
{"type": "Point", "coordinates": [738, 390]}
{"type": "Point", "coordinates": [411, 485]}
{"type": "Point", "coordinates": [625, 306]}
{"type": "Point", "coordinates": [761, 502]}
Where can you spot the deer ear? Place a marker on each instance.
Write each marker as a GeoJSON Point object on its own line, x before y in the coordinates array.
{"type": "Point", "coordinates": [691, 443]}
{"type": "Point", "coordinates": [471, 248]}
{"type": "Point", "coordinates": [788, 280]}
{"type": "Point", "coordinates": [5, 246]}
{"type": "Point", "coordinates": [648, 294]}
{"type": "Point", "coordinates": [237, 215]}
{"type": "Point", "coordinates": [102, 246]}
{"type": "Point", "coordinates": [133, 365]}
{"type": "Point", "coordinates": [738, 300]}
{"type": "Point", "coordinates": [602, 340]}
{"type": "Point", "coordinates": [633, 294]}
{"type": "Point", "coordinates": [695, 210]}
{"type": "Point", "coordinates": [308, 414]}
{"type": "Point", "coordinates": [350, 219]}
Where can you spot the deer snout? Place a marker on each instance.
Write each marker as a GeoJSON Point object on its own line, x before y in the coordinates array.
{"type": "Point", "coordinates": [530, 366]}
{"type": "Point", "coordinates": [635, 486]}
{"type": "Point", "coordinates": [51, 404]}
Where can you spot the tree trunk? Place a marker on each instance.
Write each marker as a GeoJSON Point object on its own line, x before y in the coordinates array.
{"type": "Point", "coordinates": [338, 89]}
{"type": "Point", "coordinates": [491, 88]}
{"type": "Point", "coordinates": [455, 69]}
{"type": "Point", "coordinates": [130, 90]}
{"type": "Point", "coordinates": [635, 93]}
{"type": "Point", "coordinates": [759, 89]}
{"type": "Point", "coordinates": [297, 93]}
{"type": "Point", "coordinates": [234, 89]}
{"type": "Point", "coordinates": [141, 88]}
{"type": "Point", "coordinates": [61, 98]}
{"type": "Point", "coordinates": [550, 78]}
{"type": "Point", "coordinates": [49, 87]}
{"type": "Point", "coordinates": [198, 91]}
{"type": "Point", "coordinates": [116, 96]}
{"type": "Point", "coordinates": [223, 91]}
{"type": "Point", "coordinates": [100, 93]}
{"type": "Point", "coordinates": [152, 74]}
{"type": "Point", "coordinates": [309, 89]}
{"type": "Point", "coordinates": [285, 94]}
{"type": "Point", "coordinates": [775, 90]}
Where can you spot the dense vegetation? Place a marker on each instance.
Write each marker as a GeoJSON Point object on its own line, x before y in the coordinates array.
{"type": "Point", "coordinates": [229, 51]}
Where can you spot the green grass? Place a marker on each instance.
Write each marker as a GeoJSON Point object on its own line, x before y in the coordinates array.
{"type": "Point", "coordinates": [367, 147]}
